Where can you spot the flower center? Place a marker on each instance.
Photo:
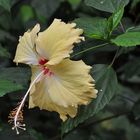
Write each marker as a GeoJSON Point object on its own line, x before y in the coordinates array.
{"type": "Point", "coordinates": [42, 61]}
{"type": "Point", "coordinates": [46, 70]}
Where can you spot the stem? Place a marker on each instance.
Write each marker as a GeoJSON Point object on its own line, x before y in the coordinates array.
{"type": "Point", "coordinates": [94, 47]}
{"type": "Point", "coordinates": [122, 27]}
{"type": "Point", "coordinates": [114, 58]}
{"type": "Point", "coordinates": [23, 100]}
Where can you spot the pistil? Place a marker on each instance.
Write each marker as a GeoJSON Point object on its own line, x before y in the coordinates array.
{"type": "Point", "coordinates": [16, 115]}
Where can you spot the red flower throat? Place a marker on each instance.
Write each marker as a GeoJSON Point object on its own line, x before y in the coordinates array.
{"type": "Point", "coordinates": [42, 63]}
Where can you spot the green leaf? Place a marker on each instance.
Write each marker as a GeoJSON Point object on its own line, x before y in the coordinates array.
{"type": "Point", "coordinates": [6, 4]}
{"type": "Point", "coordinates": [93, 27]}
{"type": "Point", "coordinates": [131, 68]}
{"type": "Point", "coordinates": [26, 13]}
{"type": "Point", "coordinates": [134, 3]}
{"type": "Point", "coordinates": [74, 3]}
{"type": "Point", "coordinates": [45, 8]}
{"type": "Point", "coordinates": [77, 134]}
{"type": "Point", "coordinates": [106, 83]}
{"type": "Point", "coordinates": [35, 134]}
{"type": "Point", "coordinates": [16, 75]}
{"type": "Point", "coordinates": [107, 5]}
{"type": "Point", "coordinates": [134, 29]}
{"type": "Point", "coordinates": [4, 52]}
{"type": "Point", "coordinates": [29, 135]}
{"type": "Point", "coordinates": [136, 110]}
{"type": "Point", "coordinates": [127, 39]}
{"type": "Point", "coordinates": [6, 35]}
{"type": "Point", "coordinates": [13, 79]}
{"type": "Point", "coordinates": [120, 124]}
{"type": "Point", "coordinates": [91, 46]}
{"type": "Point", "coordinates": [7, 86]}
{"type": "Point", "coordinates": [115, 19]}
{"type": "Point", "coordinates": [5, 21]}
{"type": "Point", "coordinates": [100, 28]}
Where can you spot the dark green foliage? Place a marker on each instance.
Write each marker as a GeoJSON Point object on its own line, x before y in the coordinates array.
{"type": "Point", "coordinates": [111, 46]}
{"type": "Point", "coordinates": [107, 5]}
{"type": "Point", "coordinates": [16, 75]}
{"type": "Point", "coordinates": [131, 68]}
{"type": "Point", "coordinates": [4, 52]}
{"type": "Point", "coordinates": [45, 8]}
{"type": "Point", "coordinates": [28, 15]}
{"type": "Point", "coordinates": [134, 3]}
{"type": "Point", "coordinates": [8, 86]}
{"type": "Point", "coordinates": [93, 27]}
{"type": "Point", "coordinates": [6, 4]}
{"type": "Point", "coordinates": [100, 28]}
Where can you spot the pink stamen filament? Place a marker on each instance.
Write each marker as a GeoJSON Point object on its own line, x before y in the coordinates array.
{"type": "Point", "coordinates": [16, 123]}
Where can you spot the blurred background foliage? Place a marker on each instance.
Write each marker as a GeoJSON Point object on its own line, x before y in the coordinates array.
{"type": "Point", "coordinates": [112, 31]}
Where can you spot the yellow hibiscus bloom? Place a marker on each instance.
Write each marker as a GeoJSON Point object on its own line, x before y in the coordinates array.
{"type": "Point", "coordinates": [57, 83]}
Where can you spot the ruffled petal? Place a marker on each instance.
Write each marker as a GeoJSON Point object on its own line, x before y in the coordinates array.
{"type": "Point", "coordinates": [40, 97]}
{"type": "Point", "coordinates": [56, 42]}
{"type": "Point", "coordinates": [70, 86]}
{"type": "Point", "coordinates": [25, 52]}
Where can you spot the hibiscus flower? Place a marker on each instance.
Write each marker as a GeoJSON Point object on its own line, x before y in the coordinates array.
{"type": "Point", "coordinates": [57, 83]}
